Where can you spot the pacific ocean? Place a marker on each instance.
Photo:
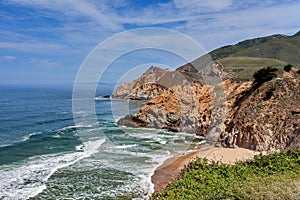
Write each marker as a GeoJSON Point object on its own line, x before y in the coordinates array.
{"type": "Point", "coordinates": [43, 157]}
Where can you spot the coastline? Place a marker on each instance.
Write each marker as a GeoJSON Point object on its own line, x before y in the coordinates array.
{"type": "Point", "coordinates": [171, 168]}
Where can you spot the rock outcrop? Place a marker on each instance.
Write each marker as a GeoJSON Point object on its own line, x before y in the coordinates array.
{"type": "Point", "coordinates": [146, 87]}
{"type": "Point", "coordinates": [265, 121]}
{"type": "Point", "coordinates": [178, 108]}
{"type": "Point", "coordinates": [230, 113]}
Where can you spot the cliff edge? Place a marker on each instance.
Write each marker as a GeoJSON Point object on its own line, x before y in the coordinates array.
{"type": "Point", "coordinates": [233, 112]}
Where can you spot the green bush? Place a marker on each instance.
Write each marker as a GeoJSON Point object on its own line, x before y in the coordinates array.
{"type": "Point", "coordinates": [287, 68]}
{"type": "Point", "coordinates": [269, 93]}
{"type": "Point", "coordinates": [273, 176]}
{"type": "Point", "coordinates": [264, 75]}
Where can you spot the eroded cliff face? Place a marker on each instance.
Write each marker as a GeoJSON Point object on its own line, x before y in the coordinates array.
{"type": "Point", "coordinates": [183, 106]}
{"type": "Point", "coordinates": [146, 87]}
{"type": "Point", "coordinates": [267, 118]}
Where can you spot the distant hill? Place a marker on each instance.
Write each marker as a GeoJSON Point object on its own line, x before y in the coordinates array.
{"type": "Point", "coordinates": [233, 50]}
{"type": "Point", "coordinates": [280, 47]}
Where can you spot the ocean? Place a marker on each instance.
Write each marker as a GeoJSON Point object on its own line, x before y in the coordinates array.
{"type": "Point", "coordinates": [43, 157]}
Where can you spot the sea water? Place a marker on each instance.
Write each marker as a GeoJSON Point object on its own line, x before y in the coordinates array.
{"type": "Point", "coordinates": [42, 156]}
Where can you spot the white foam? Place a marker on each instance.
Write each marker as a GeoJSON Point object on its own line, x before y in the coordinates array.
{"type": "Point", "coordinates": [63, 112]}
{"type": "Point", "coordinates": [27, 137]}
{"type": "Point", "coordinates": [29, 180]}
{"type": "Point", "coordinates": [143, 171]}
{"type": "Point", "coordinates": [74, 127]}
{"type": "Point", "coordinates": [79, 147]}
{"type": "Point", "coordinates": [125, 146]}
{"type": "Point", "coordinates": [101, 98]}
{"type": "Point", "coordinates": [163, 142]}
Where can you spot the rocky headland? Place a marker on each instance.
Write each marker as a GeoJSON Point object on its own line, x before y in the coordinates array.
{"type": "Point", "coordinates": [221, 101]}
{"type": "Point", "coordinates": [261, 122]}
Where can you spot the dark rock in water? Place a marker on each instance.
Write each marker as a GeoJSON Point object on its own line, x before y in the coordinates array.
{"type": "Point", "coordinates": [106, 96]}
{"type": "Point", "coordinates": [138, 98]}
{"type": "Point", "coordinates": [179, 141]}
{"type": "Point", "coordinates": [193, 139]}
{"type": "Point", "coordinates": [171, 129]}
{"type": "Point", "coordinates": [132, 120]}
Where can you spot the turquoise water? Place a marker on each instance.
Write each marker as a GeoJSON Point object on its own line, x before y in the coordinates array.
{"type": "Point", "coordinates": [42, 156]}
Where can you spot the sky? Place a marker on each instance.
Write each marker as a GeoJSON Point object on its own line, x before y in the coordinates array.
{"type": "Point", "coordinates": [46, 41]}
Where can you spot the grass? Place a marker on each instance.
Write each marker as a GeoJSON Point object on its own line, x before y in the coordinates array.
{"type": "Point", "coordinates": [275, 176]}
{"type": "Point", "coordinates": [243, 68]}
{"type": "Point", "coordinates": [280, 47]}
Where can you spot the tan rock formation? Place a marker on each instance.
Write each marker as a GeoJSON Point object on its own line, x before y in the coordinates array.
{"type": "Point", "coordinates": [265, 119]}
{"type": "Point", "coordinates": [146, 87]}
{"type": "Point", "coordinates": [262, 123]}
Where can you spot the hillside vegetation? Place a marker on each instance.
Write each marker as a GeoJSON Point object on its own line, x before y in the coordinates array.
{"type": "Point", "coordinates": [274, 176]}
{"type": "Point", "coordinates": [281, 47]}
{"type": "Point", "coordinates": [242, 68]}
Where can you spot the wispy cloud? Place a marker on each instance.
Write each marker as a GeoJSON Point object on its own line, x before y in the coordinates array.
{"type": "Point", "coordinates": [89, 21]}
{"type": "Point", "coordinates": [36, 47]}
{"type": "Point", "coordinates": [67, 30]}
{"type": "Point", "coordinates": [8, 58]}
{"type": "Point", "coordinates": [217, 29]}
{"type": "Point", "coordinates": [44, 63]}
{"type": "Point", "coordinates": [73, 9]}
{"type": "Point", "coordinates": [203, 6]}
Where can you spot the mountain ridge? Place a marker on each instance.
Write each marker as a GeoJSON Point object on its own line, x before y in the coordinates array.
{"type": "Point", "coordinates": [276, 46]}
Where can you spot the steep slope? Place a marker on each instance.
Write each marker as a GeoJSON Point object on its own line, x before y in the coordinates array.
{"type": "Point", "coordinates": [234, 112]}
{"type": "Point", "coordinates": [269, 119]}
{"type": "Point", "coordinates": [286, 49]}
{"type": "Point", "coordinates": [266, 119]}
{"type": "Point", "coordinates": [280, 47]}
{"type": "Point", "coordinates": [231, 50]}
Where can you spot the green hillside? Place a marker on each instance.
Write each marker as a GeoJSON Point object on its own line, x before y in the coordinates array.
{"type": "Point", "coordinates": [242, 68]}
{"type": "Point", "coordinates": [243, 59]}
{"type": "Point", "coordinates": [281, 47]}
{"type": "Point", "coordinates": [231, 50]}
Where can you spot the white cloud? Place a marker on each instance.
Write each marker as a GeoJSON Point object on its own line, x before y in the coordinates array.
{"type": "Point", "coordinates": [75, 9]}
{"type": "Point", "coordinates": [45, 63]}
{"type": "Point", "coordinates": [37, 47]}
{"type": "Point", "coordinates": [8, 58]}
{"type": "Point", "coordinates": [212, 22]}
{"type": "Point", "coordinates": [203, 5]}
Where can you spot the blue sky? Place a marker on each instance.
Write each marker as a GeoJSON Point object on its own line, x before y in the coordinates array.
{"type": "Point", "coordinates": [45, 41]}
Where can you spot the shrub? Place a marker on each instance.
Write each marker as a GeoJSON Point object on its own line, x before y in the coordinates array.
{"type": "Point", "coordinates": [273, 176]}
{"type": "Point", "coordinates": [269, 93]}
{"type": "Point", "coordinates": [287, 68]}
{"type": "Point", "coordinates": [264, 75]}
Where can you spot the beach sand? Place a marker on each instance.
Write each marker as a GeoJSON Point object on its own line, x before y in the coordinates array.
{"type": "Point", "coordinates": [172, 167]}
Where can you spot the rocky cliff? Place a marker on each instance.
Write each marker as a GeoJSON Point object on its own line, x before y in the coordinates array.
{"type": "Point", "coordinates": [233, 112]}
{"type": "Point", "coordinates": [146, 87]}
{"type": "Point", "coordinates": [267, 118]}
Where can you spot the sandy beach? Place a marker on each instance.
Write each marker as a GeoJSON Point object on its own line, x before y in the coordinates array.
{"type": "Point", "coordinates": [172, 167]}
